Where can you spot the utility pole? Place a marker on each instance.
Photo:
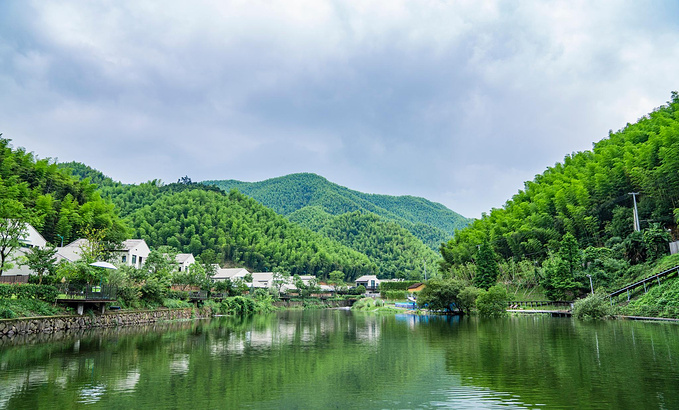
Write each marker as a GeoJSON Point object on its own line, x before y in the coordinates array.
{"type": "Point", "coordinates": [425, 269]}
{"type": "Point", "coordinates": [637, 225]}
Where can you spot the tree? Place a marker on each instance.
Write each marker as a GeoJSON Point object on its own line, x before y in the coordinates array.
{"type": "Point", "coordinates": [41, 261]}
{"type": "Point", "coordinates": [95, 247]}
{"type": "Point", "coordinates": [487, 269]}
{"type": "Point", "coordinates": [279, 280]}
{"type": "Point", "coordinates": [656, 241]}
{"type": "Point", "coordinates": [161, 262]}
{"type": "Point", "coordinates": [443, 295]}
{"type": "Point", "coordinates": [336, 280]}
{"type": "Point", "coordinates": [13, 220]}
{"type": "Point", "coordinates": [492, 302]}
{"type": "Point", "coordinates": [559, 281]}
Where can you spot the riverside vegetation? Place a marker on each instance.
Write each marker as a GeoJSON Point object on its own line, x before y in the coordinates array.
{"type": "Point", "coordinates": [572, 222]}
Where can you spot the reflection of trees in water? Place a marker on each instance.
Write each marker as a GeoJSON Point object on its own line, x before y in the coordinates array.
{"type": "Point", "coordinates": [230, 360]}
{"type": "Point", "coordinates": [567, 363]}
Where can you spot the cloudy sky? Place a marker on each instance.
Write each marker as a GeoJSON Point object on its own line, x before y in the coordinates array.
{"type": "Point", "coordinates": [455, 101]}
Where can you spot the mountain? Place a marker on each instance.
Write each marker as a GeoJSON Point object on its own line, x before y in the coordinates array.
{"type": "Point", "coordinates": [230, 229]}
{"type": "Point", "coordinates": [358, 242]}
{"type": "Point", "coordinates": [431, 222]}
{"type": "Point", "coordinates": [397, 253]}
{"type": "Point", "coordinates": [588, 196]}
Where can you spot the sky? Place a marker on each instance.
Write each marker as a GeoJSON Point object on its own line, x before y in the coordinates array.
{"type": "Point", "coordinates": [458, 102]}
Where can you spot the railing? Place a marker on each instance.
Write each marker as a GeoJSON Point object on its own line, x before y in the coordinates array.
{"type": "Point", "coordinates": [644, 281]}
{"type": "Point", "coordinates": [88, 292]}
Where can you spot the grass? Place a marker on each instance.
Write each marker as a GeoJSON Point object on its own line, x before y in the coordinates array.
{"type": "Point", "coordinates": [519, 294]}
{"type": "Point", "coordinates": [14, 308]}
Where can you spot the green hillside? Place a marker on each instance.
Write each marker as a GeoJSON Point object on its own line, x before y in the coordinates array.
{"type": "Point", "coordinates": [395, 250]}
{"type": "Point", "coordinates": [231, 228]}
{"type": "Point", "coordinates": [240, 230]}
{"type": "Point", "coordinates": [588, 195]}
{"type": "Point", "coordinates": [58, 205]}
{"type": "Point", "coordinates": [575, 220]}
{"type": "Point", "coordinates": [432, 223]}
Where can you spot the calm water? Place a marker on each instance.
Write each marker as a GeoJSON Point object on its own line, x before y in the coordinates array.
{"type": "Point", "coordinates": [339, 359]}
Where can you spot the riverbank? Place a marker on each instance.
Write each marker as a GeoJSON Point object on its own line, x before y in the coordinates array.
{"type": "Point", "coordinates": [58, 323]}
{"type": "Point", "coordinates": [52, 324]}
{"type": "Point", "coordinates": [566, 313]}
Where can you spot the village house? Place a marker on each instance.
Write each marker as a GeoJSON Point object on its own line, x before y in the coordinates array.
{"type": "Point", "coordinates": [33, 239]}
{"type": "Point", "coordinates": [133, 252]}
{"type": "Point", "coordinates": [370, 282]}
{"type": "Point", "coordinates": [184, 260]}
{"type": "Point", "coordinates": [230, 274]}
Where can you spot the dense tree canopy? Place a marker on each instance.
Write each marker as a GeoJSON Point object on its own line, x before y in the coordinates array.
{"type": "Point", "coordinates": [395, 250]}
{"type": "Point", "coordinates": [432, 223]}
{"type": "Point", "coordinates": [236, 228]}
{"type": "Point", "coordinates": [587, 195]}
{"type": "Point", "coordinates": [60, 206]}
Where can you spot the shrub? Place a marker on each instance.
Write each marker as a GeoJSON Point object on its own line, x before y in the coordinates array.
{"type": "Point", "coordinates": [241, 305]}
{"type": "Point", "coordinates": [363, 304]}
{"type": "Point", "coordinates": [47, 293]}
{"type": "Point", "coordinates": [403, 285]}
{"type": "Point", "coordinates": [492, 302]}
{"type": "Point", "coordinates": [176, 303]}
{"type": "Point", "coordinates": [11, 308]}
{"type": "Point", "coordinates": [594, 306]}
{"type": "Point", "coordinates": [394, 294]}
{"type": "Point", "coordinates": [177, 294]}
{"type": "Point", "coordinates": [153, 291]}
{"type": "Point", "coordinates": [129, 296]}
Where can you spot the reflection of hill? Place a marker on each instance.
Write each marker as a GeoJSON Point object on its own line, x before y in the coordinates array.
{"type": "Point", "coordinates": [341, 359]}
{"type": "Point", "coordinates": [231, 360]}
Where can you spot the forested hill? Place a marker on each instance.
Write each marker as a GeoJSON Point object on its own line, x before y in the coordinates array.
{"type": "Point", "coordinates": [588, 196]}
{"type": "Point", "coordinates": [230, 229]}
{"type": "Point", "coordinates": [238, 230]}
{"type": "Point", "coordinates": [397, 253]}
{"type": "Point", "coordinates": [59, 206]}
{"type": "Point", "coordinates": [431, 222]}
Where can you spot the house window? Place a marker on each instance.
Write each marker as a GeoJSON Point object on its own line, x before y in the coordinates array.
{"type": "Point", "coordinates": [134, 259]}
{"type": "Point", "coordinates": [124, 258]}
{"type": "Point", "coordinates": [180, 269]}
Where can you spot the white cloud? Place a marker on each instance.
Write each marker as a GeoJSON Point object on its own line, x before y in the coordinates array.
{"type": "Point", "coordinates": [427, 98]}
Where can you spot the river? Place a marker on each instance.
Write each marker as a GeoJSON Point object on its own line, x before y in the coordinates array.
{"type": "Point", "coordinates": [328, 359]}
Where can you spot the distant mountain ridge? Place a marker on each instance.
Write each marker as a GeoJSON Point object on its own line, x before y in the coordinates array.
{"type": "Point", "coordinates": [431, 222]}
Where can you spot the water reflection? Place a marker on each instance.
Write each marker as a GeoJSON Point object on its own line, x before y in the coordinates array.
{"type": "Point", "coordinates": [325, 359]}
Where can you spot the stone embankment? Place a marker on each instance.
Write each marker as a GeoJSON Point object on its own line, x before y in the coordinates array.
{"type": "Point", "coordinates": [327, 303]}
{"type": "Point", "coordinates": [51, 324]}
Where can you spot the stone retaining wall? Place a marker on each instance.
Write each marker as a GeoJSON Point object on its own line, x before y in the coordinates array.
{"type": "Point", "coordinates": [10, 327]}
{"type": "Point", "coordinates": [327, 303]}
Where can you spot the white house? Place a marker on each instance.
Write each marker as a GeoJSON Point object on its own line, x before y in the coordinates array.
{"type": "Point", "coordinates": [230, 273]}
{"type": "Point", "coordinates": [72, 251]}
{"type": "Point", "coordinates": [184, 260]}
{"type": "Point", "coordinates": [263, 280]}
{"type": "Point", "coordinates": [33, 239]}
{"type": "Point", "coordinates": [369, 281]}
{"type": "Point", "coordinates": [133, 252]}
